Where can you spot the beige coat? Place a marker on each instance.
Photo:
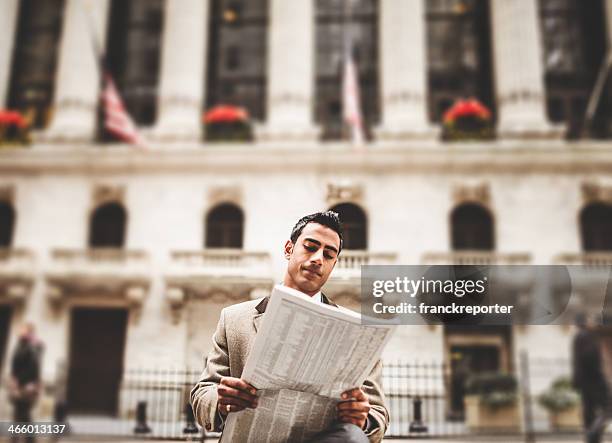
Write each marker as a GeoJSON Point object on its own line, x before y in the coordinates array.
{"type": "Point", "coordinates": [232, 343]}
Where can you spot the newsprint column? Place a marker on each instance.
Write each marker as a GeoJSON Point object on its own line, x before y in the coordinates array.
{"type": "Point", "coordinates": [8, 30]}
{"type": "Point", "coordinates": [404, 71]}
{"type": "Point", "coordinates": [183, 71]}
{"type": "Point", "coordinates": [78, 74]}
{"type": "Point", "coordinates": [290, 72]}
{"type": "Point", "coordinates": [519, 70]}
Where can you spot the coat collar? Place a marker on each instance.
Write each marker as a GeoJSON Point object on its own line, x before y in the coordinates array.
{"type": "Point", "coordinates": [261, 308]}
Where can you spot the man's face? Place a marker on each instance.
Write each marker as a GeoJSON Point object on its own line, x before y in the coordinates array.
{"type": "Point", "coordinates": [312, 258]}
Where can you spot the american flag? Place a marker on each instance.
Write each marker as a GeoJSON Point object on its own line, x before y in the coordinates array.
{"type": "Point", "coordinates": [351, 107]}
{"type": "Point", "coordinates": [117, 121]}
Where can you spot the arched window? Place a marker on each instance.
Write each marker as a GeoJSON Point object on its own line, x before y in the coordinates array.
{"type": "Point", "coordinates": [237, 55]}
{"type": "Point", "coordinates": [354, 225]}
{"type": "Point", "coordinates": [574, 39]}
{"type": "Point", "coordinates": [107, 227]}
{"type": "Point", "coordinates": [596, 227]}
{"type": "Point", "coordinates": [7, 224]}
{"type": "Point", "coordinates": [35, 58]}
{"type": "Point", "coordinates": [224, 227]}
{"type": "Point", "coordinates": [472, 228]}
{"type": "Point", "coordinates": [133, 56]}
{"type": "Point", "coordinates": [458, 53]}
{"type": "Point", "coordinates": [335, 23]}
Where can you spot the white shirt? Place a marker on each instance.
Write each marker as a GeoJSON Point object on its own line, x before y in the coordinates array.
{"type": "Point", "coordinates": [317, 297]}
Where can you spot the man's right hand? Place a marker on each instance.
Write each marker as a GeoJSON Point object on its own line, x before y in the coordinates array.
{"type": "Point", "coordinates": [234, 394]}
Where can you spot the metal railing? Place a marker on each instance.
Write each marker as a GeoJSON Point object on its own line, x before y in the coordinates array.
{"type": "Point", "coordinates": [421, 397]}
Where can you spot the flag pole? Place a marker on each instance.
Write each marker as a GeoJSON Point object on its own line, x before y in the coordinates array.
{"type": "Point", "coordinates": [351, 109]}
{"type": "Point", "coordinates": [346, 129]}
{"type": "Point", "coordinates": [595, 96]}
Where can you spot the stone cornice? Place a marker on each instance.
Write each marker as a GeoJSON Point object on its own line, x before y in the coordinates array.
{"type": "Point", "coordinates": [502, 157]}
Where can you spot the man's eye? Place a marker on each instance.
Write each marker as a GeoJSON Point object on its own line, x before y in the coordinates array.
{"type": "Point", "coordinates": [328, 256]}
{"type": "Point", "coordinates": [311, 248]}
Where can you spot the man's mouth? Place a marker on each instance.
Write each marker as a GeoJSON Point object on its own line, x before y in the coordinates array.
{"type": "Point", "coordinates": [312, 272]}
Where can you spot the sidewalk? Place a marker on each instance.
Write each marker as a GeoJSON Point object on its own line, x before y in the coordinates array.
{"type": "Point", "coordinates": [475, 439]}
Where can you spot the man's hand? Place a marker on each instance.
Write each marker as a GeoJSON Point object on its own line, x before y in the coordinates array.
{"type": "Point", "coordinates": [235, 395]}
{"type": "Point", "coordinates": [355, 409]}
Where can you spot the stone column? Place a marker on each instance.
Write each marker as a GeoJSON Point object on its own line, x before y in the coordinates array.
{"type": "Point", "coordinates": [8, 24]}
{"type": "Point", "coordinates": [291, 72]}
{"type": "Point", "coordinates": [403, 67]}
{"type": "Point", "coordinates": [183, 73]}
{"type": "Point", "coordinates": [77, 87]}
{"type": "Point", "coordinates": [519, 70]}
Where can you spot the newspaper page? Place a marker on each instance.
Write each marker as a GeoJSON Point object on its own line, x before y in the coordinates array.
{"type": "Point", "coordinates": [304, 356]}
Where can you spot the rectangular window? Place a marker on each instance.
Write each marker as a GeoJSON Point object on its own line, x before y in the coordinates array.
{"type": "Point", "coordinates": [237, 55]}
{"type": "Point", "coordinates": [35, 58]}
{"type": "Point", "coordinates": [334, 24]}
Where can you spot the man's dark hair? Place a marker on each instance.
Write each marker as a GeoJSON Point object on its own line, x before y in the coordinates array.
{"type": "Point", "coordinates": [327, 218]}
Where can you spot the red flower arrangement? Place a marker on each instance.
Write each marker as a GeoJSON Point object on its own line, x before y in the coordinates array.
{"type": "Point", "coordinates": [227, 123]}
{"type": "Point", "coordinates": [467, 120]}
{"type": "Point", "coordinates": [13, 127]}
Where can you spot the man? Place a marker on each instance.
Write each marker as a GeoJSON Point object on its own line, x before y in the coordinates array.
{"type": "Point", "coordinates": [312, 253]}
{"type": "Point", "coordinates": [24, 382]}
{"type": "Point", "coordinates": [589, 379]}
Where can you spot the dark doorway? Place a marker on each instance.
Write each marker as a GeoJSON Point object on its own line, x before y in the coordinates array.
{"type": "Point", "coordinates": [472, 228]}
{"type": "Point", "coordinates": [107, 228]}
{"type": "Point", "coordinates": [596, 227]}
{"type": "Point", "coordinates": [5, 324]}
{"type": "Point", "coordinates": [465, 362]}
{"type": "Point", "coordinates": [7, 224]}
{"type": "Point", "coordinates": [97, 342]}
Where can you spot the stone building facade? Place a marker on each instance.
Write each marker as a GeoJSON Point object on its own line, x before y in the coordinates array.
{"type": "Point", "coordinates": [124, 257]}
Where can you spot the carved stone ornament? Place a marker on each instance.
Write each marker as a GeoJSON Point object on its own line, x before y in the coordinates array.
{"type": "Point", "coordinates": [596, 192]}
{"type": "Point", "coordinates": [224, 194]}
{"type": "Point", "coordinates": [477, 193]}
{"type": "Point", "coordinates": [7, 194]}
{"type": "Point", "coordinates": [342, 192]}
{"type": "Point", "coordinates": [108, 193]}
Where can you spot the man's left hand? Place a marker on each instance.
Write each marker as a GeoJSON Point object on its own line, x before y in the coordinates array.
{"type": "Point", "coordinates": [354, 407]}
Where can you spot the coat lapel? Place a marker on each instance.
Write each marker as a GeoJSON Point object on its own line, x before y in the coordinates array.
{"type": "Point", "coordinates": [260, 309]}
{"type": "Point", "coordinates": [259, 312]}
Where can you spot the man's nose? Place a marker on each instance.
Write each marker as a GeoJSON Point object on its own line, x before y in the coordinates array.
{"type": "Point", "coordinates": [317, 257]}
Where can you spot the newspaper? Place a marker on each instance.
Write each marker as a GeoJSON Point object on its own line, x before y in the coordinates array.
{"type": "Point", "coordinates": [304, 356]}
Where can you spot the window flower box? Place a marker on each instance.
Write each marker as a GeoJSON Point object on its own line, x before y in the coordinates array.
{"type": "Point", "coordinates": [467, 120]}
{"type": "Point", "coordinates": [563, 405]}
{"type": "Point", "coordinates": [14, 128]}
{"type": "Point", "coordinates": [492, 403]}
{"type": "Point", "coordinates": [225, 123]}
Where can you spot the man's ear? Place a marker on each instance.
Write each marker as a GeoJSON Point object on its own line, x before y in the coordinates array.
{"type": "Point", "coordinates": [288, 249]}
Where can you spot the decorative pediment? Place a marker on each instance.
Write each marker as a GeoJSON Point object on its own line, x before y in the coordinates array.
{"type": "Point", "coordinates": [474, 193]}
{"type": "Point", "coordinates": [7, 194]}
{"type": "Point", "coordinates": [596, 192]}
{"type": "Point", "coordinates": [344, 192]}
{"type": "Point", "coordinates": [224, 194]}
{"type": "Point", "coordinates": [107, 193]}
